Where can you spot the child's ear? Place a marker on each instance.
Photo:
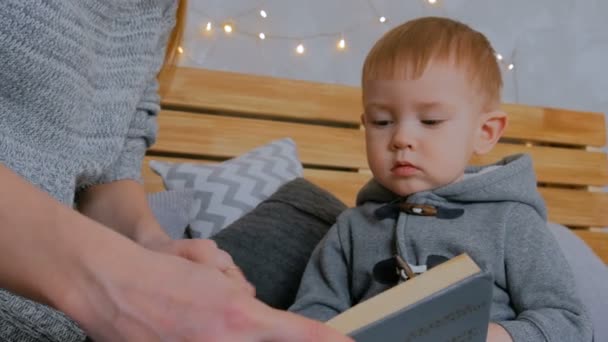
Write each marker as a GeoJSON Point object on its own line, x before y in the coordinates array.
{"type": "Point", "coordinates": [492, 126]}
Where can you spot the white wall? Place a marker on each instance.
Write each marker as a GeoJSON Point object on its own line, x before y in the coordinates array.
{"type": "Point", "coordinates": [559, 47]}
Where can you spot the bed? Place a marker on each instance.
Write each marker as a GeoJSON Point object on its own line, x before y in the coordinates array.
{"type": "Point", "coordinates": [209, 116]}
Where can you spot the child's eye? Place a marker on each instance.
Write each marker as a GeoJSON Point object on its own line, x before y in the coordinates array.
{"type": "Point", "coordinates": [381, 122]}
{"type": "Point", "coordinates": [431, 122]}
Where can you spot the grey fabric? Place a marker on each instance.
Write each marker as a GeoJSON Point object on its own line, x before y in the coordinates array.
{"type": "Point", "coordinates": [590, 275]}
{"type": "Point", "coordinates": [171, 209]}
{"type": "Point", "coordinates": [272, 243]}
{"type": "Point", "coordinates": [78, 89]}
{"type": "Point", "coordinates": [78, 100]}
{"type": "Point", "coordinates": [23, 320]}
{"type": "Point", "coordinates": [501, 226]}
{"type": "Point", "coordinates": [226, 191]}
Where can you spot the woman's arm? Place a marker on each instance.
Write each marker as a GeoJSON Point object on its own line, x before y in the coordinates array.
{"type": "Point", "coordinates": [40, 240]}
{"type": "Point", "coordinates": [122, 206]}
{"type": "Point", "coordinates": [119, 291]}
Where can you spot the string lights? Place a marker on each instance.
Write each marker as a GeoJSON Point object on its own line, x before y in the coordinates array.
{"type": "Point", "coordinates": [300, 49]}
{"type": "Point", "coordinates": [341, 42]}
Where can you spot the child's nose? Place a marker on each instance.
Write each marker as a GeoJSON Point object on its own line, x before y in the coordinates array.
{"type": "Point", "coordinates": [404, 137]}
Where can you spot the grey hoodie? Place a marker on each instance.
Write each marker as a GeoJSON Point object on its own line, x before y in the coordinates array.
{"type": "Point", "coordinates": [495, 214]}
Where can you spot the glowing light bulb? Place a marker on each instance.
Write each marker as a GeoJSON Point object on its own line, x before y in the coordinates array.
{"type": "Point", "coordinates": [262, 36]}
{"type": "Point", "coordinates": [499, 57]}
{"type": "Point", "coordinates": [432, 2]}
{"type": "Point", "coordinates": [263, 14]}
{"type": "Point", "coordinates": [180, 50]}
{"type": "Point", "coordinates": [342, 44]}
{"type": "Point", "coordinates": [382, 19]}
{"type": "Point", "coordinates": [228, 28]}
{"type": "Point", "coordinates": [300, 49]}
{"type": "Point", "coordinates": [511, 66]}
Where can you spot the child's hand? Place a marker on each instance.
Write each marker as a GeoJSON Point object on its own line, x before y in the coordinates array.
{"type": "Point", "coordinates": [496, 333]}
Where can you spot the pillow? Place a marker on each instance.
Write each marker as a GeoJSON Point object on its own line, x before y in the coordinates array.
{"type": "Point", "coordinates": [226, 191]}
{"type": "Point", "coordinates": [591, 277]}
{"type": "Point", "coordinates": [272, 244]}
{"type": "Point", "coordinates": [172, 210]}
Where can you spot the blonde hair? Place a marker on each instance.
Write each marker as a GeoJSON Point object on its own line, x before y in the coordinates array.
{"type": "Point", "coordinates": [406, 50]}
{"type": "Point", "coordinates": [168, 69]}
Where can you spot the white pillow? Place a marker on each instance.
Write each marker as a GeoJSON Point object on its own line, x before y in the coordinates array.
{"type": "Point", "coordinates": [224, 192]}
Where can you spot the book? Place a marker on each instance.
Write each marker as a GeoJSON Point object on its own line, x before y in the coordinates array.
{"type": "Point", "coordinates": [449, 302]}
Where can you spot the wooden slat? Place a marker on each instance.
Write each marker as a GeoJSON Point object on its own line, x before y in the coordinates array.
{"type": "Point", "coordinates": [343, 185]}
{"type": "Point", "coordinates": [209, 90]}
{"type": "Point", "coordinates": [222, 136]}
{"type": "Point", "coordinates": [235, 92]}
{"type": "Point", "coordinates": [226, 137]}
{"type": "Point", "coordinates": [568, 207]}
{"type": "Point", "coordinates": [576, 207]}
{"type": "Point", "coordinates": [557, 165]}
{"type": "Point", "coordinates": [152, 181]}
{"type": "Point", "coordinates": [555, 125]}
{"type": "Point", "coordinates": [597, 241]}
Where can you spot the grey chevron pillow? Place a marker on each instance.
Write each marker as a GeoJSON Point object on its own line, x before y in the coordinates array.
{"type": "Point", "coordinates": [224, 192]}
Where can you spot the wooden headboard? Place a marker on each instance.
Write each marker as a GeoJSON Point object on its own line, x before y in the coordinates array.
{"type": "Point", "coordinates": [209, 116]}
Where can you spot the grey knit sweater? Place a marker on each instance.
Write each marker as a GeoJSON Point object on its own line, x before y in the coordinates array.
{"type": "Point", "coordinates": [78, 100]}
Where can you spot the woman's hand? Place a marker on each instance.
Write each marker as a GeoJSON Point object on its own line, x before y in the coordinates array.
{"type": "Point", "coordinates": [201, 251]}
{"type": "Point", "coordinates": [161, 289]}
{"type": "Point", "coordinates": [140, 295]}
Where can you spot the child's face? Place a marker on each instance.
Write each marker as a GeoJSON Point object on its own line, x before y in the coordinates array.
{"type": "Point", "coordinates": [421, 133]}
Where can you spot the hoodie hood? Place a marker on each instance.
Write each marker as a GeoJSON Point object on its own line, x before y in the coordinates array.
{"type": "Point", "coordinates": [510, 179]}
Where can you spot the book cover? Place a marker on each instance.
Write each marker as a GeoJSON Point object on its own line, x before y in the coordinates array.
{"type": "Point", "coordinates": [450, 302]}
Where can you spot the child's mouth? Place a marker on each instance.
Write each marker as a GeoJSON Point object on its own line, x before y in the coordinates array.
{"type": "Point", "coordinates": [404, 169]}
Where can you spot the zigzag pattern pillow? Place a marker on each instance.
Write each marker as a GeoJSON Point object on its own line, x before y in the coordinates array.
{"type": "Point", "coordinates": [224, 192]}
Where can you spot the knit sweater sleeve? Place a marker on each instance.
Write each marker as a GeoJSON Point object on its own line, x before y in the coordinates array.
{"type": "Point", "coordinates": [140, 136]}
{"type": "Point", "coordinates": [143, 127]}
